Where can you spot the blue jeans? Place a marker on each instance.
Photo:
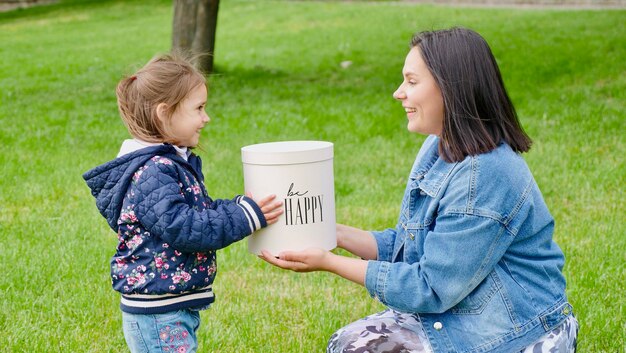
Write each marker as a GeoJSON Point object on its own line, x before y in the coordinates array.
{"type": "Point", "coordinates": [170, 332]}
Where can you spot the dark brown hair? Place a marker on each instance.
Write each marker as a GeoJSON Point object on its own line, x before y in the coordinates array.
{"type": "Point", "coordinates": [478, 113]}
{"type": "Point", "coordinates": [168, 79]}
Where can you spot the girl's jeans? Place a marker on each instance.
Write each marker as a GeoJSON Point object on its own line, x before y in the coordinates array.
{"type": "Point", "coordinates": [170, 332]}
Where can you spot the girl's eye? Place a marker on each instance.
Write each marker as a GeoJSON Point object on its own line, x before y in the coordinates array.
{"type": "Point", "coordinates": [412, 83]}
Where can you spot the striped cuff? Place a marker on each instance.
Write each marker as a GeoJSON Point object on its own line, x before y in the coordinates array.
{"type": "Point", "coordinates": [256, 219]}
{"type": "Point", "coordinates": [158, 304]}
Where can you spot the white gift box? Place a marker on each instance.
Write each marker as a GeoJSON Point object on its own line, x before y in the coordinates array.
{"type": "Point", "coordinates": [300, 174]}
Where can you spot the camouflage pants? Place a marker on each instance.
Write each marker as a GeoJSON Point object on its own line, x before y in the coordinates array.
{"type": "Point", "coordinates": [393, 332]}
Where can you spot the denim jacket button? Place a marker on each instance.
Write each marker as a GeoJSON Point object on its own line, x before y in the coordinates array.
{"type": "Point", "coordinates": [437, 325]}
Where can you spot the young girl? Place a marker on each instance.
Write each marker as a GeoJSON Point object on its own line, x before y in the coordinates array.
{"type": "Point", "coordinates": [471, 265]}
{"type": "Point", "coordinates": [154, 197]}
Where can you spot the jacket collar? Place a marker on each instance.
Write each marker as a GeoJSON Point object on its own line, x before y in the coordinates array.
{"type": "Point", "coordinates": [132, 145]}
{"type": "Point", "coordinates": [430, 171]}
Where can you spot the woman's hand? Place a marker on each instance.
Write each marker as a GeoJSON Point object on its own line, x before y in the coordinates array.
{"type": "Point", "coordinates": [312, 259]}
{"type": "Point", "coordinates": [271, 210]}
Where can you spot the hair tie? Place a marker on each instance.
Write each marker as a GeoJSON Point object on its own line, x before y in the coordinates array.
{"type": "Point", "coordinates": [133, 77]}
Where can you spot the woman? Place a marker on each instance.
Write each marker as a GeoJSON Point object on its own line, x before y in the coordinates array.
{"type": "Point", "coordinates": [471, 265]}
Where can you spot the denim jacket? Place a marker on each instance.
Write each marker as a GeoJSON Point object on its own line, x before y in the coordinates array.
{"type": "Point", "coordinates": [472, 254]}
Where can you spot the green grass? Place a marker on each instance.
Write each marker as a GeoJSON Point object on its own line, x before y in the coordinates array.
{"type": "Point", "coordinates": [278, 77]}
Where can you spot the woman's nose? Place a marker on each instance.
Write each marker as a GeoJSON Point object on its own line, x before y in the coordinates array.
{"type": "Point", "coordinates": [399, 94]}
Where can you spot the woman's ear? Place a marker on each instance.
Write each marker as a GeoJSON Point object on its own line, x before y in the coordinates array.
{"type": "Point", "coordinates": [161, 111]}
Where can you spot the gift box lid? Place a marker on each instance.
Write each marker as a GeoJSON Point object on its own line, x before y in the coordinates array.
{"type": "Point", "coordinates": [287, 152]}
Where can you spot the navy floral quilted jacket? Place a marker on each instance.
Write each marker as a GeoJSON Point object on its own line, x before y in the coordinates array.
{"type": "Point", "coordinates": [168, 228]}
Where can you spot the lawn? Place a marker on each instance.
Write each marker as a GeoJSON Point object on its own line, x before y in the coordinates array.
{"type": "Point", "coordinates": [279, 77]}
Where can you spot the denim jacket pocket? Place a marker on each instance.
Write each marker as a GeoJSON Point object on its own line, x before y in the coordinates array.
{"type": "Point", "coordinates": [477, 300]}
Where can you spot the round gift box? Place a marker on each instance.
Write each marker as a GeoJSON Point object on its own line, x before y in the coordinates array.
{"type": "Point", "coordinates": [300, 174]}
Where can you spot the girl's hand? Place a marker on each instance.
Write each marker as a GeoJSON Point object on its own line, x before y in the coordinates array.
{"type": "Point", "coordinates": [271, 210]}
{"type": "Point", "coordinates": [312, 259]}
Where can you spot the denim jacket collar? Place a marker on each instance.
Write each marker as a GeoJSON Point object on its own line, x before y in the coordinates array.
{"type": "Point", "coordinates": [430, 172]}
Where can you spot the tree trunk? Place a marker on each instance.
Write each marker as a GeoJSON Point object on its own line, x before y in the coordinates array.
{"type": "Point", "coordinates": [193, 30]}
